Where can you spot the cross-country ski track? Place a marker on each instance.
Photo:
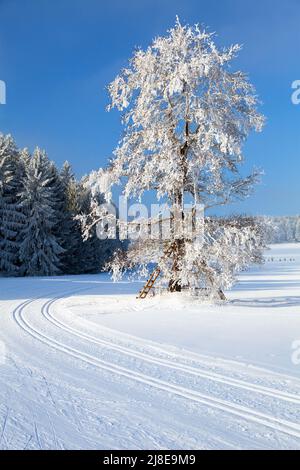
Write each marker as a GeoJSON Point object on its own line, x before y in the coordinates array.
{"type": "Point", "coordinates": [68, 382]}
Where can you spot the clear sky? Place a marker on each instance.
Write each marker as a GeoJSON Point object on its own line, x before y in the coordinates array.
{"type": "Point", "coordinates": [57, 56]}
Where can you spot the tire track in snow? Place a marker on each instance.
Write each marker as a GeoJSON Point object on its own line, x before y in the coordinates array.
{"type": "Point", "coordinates": [215, 377]}
{"type": "Point", "coordinates": [242, 412]}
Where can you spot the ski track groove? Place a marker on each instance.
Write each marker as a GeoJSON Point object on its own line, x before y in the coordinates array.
{"type": "Point", "coordinates": [276, 424]}
{"type": "Point", "coordinates": [4, 426]}
{"type": "Point", "coordinates": [37, 435]}
{"type": "Point", "coordinates": [28, 442]}
{"type": "Point", "coordinates": [216, 377]}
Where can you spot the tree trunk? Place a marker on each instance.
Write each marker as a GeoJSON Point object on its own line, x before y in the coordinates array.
{"type": "Point", "coordinates": [175, 284]}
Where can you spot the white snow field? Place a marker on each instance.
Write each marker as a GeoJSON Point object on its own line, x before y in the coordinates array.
{"type": "Point", "coordinates": [85, 365]}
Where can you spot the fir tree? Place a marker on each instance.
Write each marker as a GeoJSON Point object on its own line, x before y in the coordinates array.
{"type": "Point", "coordinates": [70, 230]}
{"type": "Point", "coordinates": [11, 218]}
{"type": "Point", "coordinates": [39, 248]}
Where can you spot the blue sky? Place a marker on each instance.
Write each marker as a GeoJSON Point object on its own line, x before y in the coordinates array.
{"type": "Point", "coordinates": [57, 56]}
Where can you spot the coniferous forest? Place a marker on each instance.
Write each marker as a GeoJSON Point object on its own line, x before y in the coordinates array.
{"type": "Point", "coordinates": [39, 232]}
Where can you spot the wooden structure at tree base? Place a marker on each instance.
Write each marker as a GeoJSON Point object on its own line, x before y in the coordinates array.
{"type": "Point", "coordinates": [155, 274]}
{"type": "Point", "coordinates": [152, 279]}
{"type": "Point", "coordinates": [174, 248]}
{"type": "Point", "coordinates": [149, 284]}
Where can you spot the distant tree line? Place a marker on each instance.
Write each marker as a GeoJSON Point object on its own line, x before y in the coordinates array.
{"type": "Point", "coordinates": [282, 229]}
{"type": "Point", "coordinates": [39, 232]}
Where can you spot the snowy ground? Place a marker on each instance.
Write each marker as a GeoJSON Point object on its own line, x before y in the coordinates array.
{"type": "Point", "coordinates": [86, 365]}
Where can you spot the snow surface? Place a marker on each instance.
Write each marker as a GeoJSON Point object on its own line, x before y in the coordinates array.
{"type": "Point", "coordinates": [84, 364]}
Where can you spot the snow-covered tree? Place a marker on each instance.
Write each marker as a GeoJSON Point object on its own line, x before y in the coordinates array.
{"type": "Point", "coordinates": [25, 156]}
{"type": "Point", "coordinates": [94, 253]}
{"type": "Point", "coordinates": [297, 231]}
{"type": "Point", "coordinates": [186, 115]}
{"type": "Point", "coordinates": [39, 247]}
{"type": "Point", "coordinates": [282, 229]}
{"type": "Point", "coordinates": [11, 217]}
{"type": "Point", "coordinates": [39, 230]}
{"type": "Point", "coordinates": [68, 229]}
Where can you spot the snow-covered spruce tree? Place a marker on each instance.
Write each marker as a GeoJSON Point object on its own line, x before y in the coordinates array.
{"type": "Point", "coordinates": [39, 247]}
{"type": "Point", "coordinates": [11, 216]}
{"type": "Point", "coordinates": [66, 229]}
{"type": "Point", "coordinates": [25, 157]}
{"type": "Point", "coordinates": [186, 117]}
{"type": "Point", "coordinates": [69, 231]}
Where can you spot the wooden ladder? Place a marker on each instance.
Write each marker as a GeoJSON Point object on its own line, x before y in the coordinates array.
{"type": "Point", "coordinates": [151, 281]}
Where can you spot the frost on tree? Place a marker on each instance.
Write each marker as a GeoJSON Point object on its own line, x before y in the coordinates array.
{"type": "Point", "coordinates": [11, 217]}
{"type": "Point", "coordinates": [282, 229]}
{"type": "Point", "coordinates": [39, 249]}
{"type": "Point", "coordinates": [186, 115]}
